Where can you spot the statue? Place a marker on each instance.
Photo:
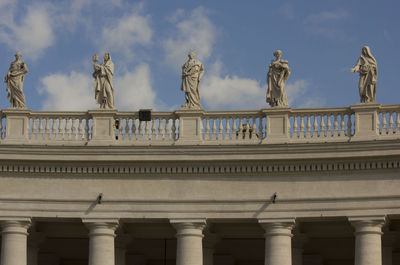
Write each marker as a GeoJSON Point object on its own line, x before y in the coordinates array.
{"type": "Point", "coordinates": [366, 66]}
{"type": "Point", "coordinates": [103, 83]}
{"type": "Point", "coordinates": [192, 71]}
{"type": "Point", "coordinates": [277, 76]}
{"type": "Point", "coordinates": [15, 80]}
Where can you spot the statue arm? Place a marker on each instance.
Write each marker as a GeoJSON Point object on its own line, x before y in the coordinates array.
{"type": "Point", "coordinates": [356, 67]}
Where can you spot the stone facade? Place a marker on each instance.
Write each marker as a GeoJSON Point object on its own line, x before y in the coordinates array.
{"type": "Point", "coordinates": [272, 186]}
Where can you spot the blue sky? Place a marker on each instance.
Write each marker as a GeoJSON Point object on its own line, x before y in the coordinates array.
{"type": "Point", "coordinates": [235, 40]}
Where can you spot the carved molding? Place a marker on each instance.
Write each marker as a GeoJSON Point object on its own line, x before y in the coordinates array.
{"type": "Point", "coordinates": [237, 168]}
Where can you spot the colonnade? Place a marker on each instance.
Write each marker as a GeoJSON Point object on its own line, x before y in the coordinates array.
{"type": "Point", "coordinates": [190, 245]}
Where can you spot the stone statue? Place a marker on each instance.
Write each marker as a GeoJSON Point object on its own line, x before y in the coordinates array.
{"type": "Point", "coordinates": [277, 76]}
{"type": "Point", "coordinates": [192, 71]}
{"type": "Point", "coordinates": [103, 81]}
{"type": "Point", "coordinates": [15, 80]}
{"type": "Point", "coordinates": [366, 66]}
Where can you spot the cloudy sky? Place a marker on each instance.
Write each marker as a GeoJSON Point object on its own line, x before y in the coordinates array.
{"type": "Point", "coordinates": [149, 41]}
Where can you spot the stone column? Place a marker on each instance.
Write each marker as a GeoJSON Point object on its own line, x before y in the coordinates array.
{"type": "Point", "coordinates": [298, 242]}
{"type": "Point", "coordinates": [14, 242]}
{"type": "Point", "coordinates": [101, 241]}
{"type": "Point", "coordinates": [209, 242]}
{"type": "Point", "coordinates": [189, 249]}
{"type": "Point", "coordinates": [368, 233]}
{"type": "Point", "coordinates": [278, 241]}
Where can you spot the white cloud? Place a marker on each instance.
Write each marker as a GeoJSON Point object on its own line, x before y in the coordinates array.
{"type": "Point", "coordinates": [194, 31]}
{"type": "Point", "coordinates": [67, 92]}
{"type": "Point", "coordinates": [133, 89]}
{"type": "Point", "coordinates": [326, 16]}
{"type": "Point", "coordinates": [287, 10]}
{"type": "Point", "coordinates": [75, 91]}
{"type": "Point", "coordinates": [126, 32]}
{"type": "Point", "coordinates": [231, 92]}
{"type": "Point", "coordinates": [32, 34]}
{"type": "Point", "coordinates": [295, 90]}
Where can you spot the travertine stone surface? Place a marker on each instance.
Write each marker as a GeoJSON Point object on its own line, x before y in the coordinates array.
{"type": "Point", "coordinates": [277, 76]}
{"type": "Point", "coordinates": [367, 67]}
{"type": "Point", "coordinates": [189, 249]}
{"type": "Point", "coordinates": [278, 237]}
{"type": "Point", "coordinates": [15, 81]}
{"type": "Point", "coordinates": [101, 241]}
{"type": "Point", "coordinates": [368, 233]}
{"type": "Point", "coordinates": [14, 241]}
{"type": "Point", "coordinates": [192, 71]}
{"type": "Point", "coordinates": [103, 81]}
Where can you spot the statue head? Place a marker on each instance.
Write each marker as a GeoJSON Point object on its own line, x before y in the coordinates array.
{"type": "Point", "coordinates": [278, 54]}
{"type": "Point", "coordinates": [107, 56]}
{"type": "Point", "coordinates": [192, 54]}
{"type": "Point", "coordinates": [17, 55]}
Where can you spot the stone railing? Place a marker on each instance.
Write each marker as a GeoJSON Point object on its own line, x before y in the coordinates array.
{"type": "Point", "coordinates": [361, 122]}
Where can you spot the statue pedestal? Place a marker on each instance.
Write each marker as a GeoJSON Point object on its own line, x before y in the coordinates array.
{"type": "Point", "coordinates": [190, 126]}
{"type": "Point", "coordinates": [103, 129]}
{"type": "Point", "coordinates": [365, 121]}
{"type": "Point", "coordinates": [17, 126]}
{"type": "Point", "coordinates": [277, 125]}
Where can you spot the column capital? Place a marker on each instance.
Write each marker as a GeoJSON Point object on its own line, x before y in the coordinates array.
{"type": "Point", "coordinates": [368, 224]}
{"type": "Point", "coordinates": [15, 226]}
{"type": "Point", "coordinates": [195, 223]}
{"type": "Point", "coordinates": [281, 226]}
{"type": "Point", "coordinates": [105, 227]}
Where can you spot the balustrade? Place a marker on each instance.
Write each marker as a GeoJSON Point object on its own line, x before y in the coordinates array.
{"type": "Point", "coordinates": [233, 126]}
{"type": "Point", "coordinates": [59, 126]}
{"type": "Point", "coordinates": [163, 126]}
{"type": "Point", "coordinates": [358, 122]}
{"type": "Point", "coordinates": [329, 123]}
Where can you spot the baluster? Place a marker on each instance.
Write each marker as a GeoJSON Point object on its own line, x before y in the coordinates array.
{"type": "Point", "coordinates": [167, 133]}
{"type": "Point", "coordinates": [240, 135]}
{"type": "Point", "coordinates": [80, 129]}
{"type": "Point", "coordinates": [140, 131]}
{"type": "Point", "coordinates": [227, 128]}
{"type": "Point", "coordinates": [87, 136]}
{"type": "Point", "coordinates": [254, 128]}
{"type": "Point", "coordinates": [294, 126]}
{"type": "Point", "coordinates": [308, 133]}
{"type": "Point", "coordinates": [173, 129]}
{"type": "Point", "coordinates": [133, 130]}
{"type": "Point", "coordinates": [234, 129]}
{"type": "Point", "coordinates": [147, 130]}
{"type": "Point", "coordinates": [220, 129]}
{"type": "Point", "coordinates": [214, 129]}
{"type": "Point", "coordinates": [1, 127]}
{"type": "Point", "coordinates": [322, 126]}
{"type": "Point", "coordinates": [378, 125]}
{"type": "Point", "coordinates": [391, 131]}
{"type": "Point", "coordinates": [260, 127]}
{"type": "Point", "coordinates": [384, 128]}
{"type": "Point", "coordinates": [41, 129]}
{"type": "Point", "coordinates": [119, 129]}
{"type": "Point", "coordinates": [161, 128]}
{"type": "Point", "coordinates": [61, 134]}
{"type": "Point", "coordinates": [126, 129]}
{"type": "Point", "coordinates": [153, 129]}
{"type": "Point", "coordinates": [342, 130]}
{"type": "Point", "coordinates": [349, 125]}
{"type": "Point", "coordinates": [315, 126]}
{"type": "Point", "coordinates": [34, 132]}
{"type": "Point", "coordinates": [328, 125]}
{"type": "Point", "coordinates": [207, 131]}
{"type": "Point", "coordinates": [74, 133]}
{"type": "Point", "coordinates": [335, 125]}
{"type": "Point", "coordinates": [68, 127]}
{"type": "Point", "coordinates": [398, 122]}
{"type": "Point", "coordinates": [47, 129]}
{"type": "Point", "coordinates": [302, 132]}
{"type": "Point", "coordinates": [54, 129]}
